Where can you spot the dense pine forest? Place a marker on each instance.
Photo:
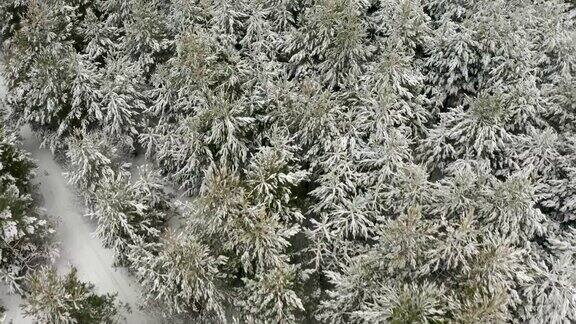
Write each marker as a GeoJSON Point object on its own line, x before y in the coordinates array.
{"type": "Point", "coordinates": [303, 161]}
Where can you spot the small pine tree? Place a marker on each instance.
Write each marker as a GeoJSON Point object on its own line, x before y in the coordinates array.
{"type": "Point", "coordinates": [271, 296]}
{"type": "Point", "coordinates": [24, 233]}
{"type": "Point", "coordinates": [182, 277]}
{"type": "Point", "coordinates": [125, 214]}
{"type": "Point", "coordinates": [91, 158]}
{"type": "Point", "coordinates": [50, 298]}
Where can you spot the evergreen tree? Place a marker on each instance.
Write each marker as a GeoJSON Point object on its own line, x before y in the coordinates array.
{"type": "Point", "coordinates": [345, 160]}
{"type": "Point", "coordinates": [271, 296]}
{"type": "Point", "coordinates": [91, 158]}
{"type": "Point", "coordinates": [24, 232]}
{"type": "Point", "coordinates": [182, 276]}
{"type": "Point", "coordinates": [126, 213]}
{"type": "Point", "coordinates": [54, 299]}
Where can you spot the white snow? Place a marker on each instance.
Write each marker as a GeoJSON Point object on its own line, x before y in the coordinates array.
{"type": "Point", "coordinates": [12, 304]}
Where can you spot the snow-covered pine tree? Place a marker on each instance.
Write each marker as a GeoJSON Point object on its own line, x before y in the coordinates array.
{"type": "Point", "coordinates": [87, 95]}
{"type": "Point", "coordinates": [182, 276]}
{"type": "Point", "coordinates": [332, 41]}
{"type": "Point", "coordinates": [101, 37]}
{"type": "Point", "coordinates": [252, 219]}
{"type": "Point", "coordinates": [392, 160]}
{"type": "Point", "coordinates": [237, 218]}
{"type": "Point", "coordinates": [92, 158]}
{"type": "Point", "coordinates": [24, 233]}
{"type": "Point", "coordinates": [54, 299]}
{"type": "Point", "coordinates": [128, 213]}
{"type": "Point", "coordinates": [478, 240]}
{"type": "Point", "coordinates": [39, 65]}
{"type": "Point", "coordinates": [146, 39]}
{"type": "Point", "coordinates": [11, 12]}
{"type": "Point", "coordinates": [214, 132]}
{"type": "Point", "coordinates": [123, 99]}
{"type": "Point", "coordinates": [127, 210]}
{"type": "Point", "coordinates": [272, 296]}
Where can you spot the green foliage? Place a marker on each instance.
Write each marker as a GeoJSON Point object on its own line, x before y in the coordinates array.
{"type": "Point", "coordinates": [24, 233]}
{"type": "Point", "coordinates": [182, 277]}
{"type": "Point", "coordinates": [345, 160]}
{"type": "Point", "coordinates": [54, 299]}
